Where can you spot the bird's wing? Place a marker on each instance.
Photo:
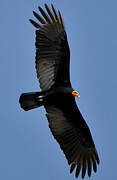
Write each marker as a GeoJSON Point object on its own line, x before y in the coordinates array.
{"type": "Point", "coordinates": [73, 135]}
{"type": "Point", "coordinates": [52, 49]}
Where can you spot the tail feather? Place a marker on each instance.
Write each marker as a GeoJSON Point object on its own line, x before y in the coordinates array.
{"type": "Point", "coordinates": [31, 100]}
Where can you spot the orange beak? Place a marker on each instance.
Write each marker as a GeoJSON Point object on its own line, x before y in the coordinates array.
{"type": "Point", "coordinates": [75, 93]}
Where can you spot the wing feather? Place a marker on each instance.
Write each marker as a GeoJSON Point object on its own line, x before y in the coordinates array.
{"type": "Point", "coordinates": [50, 13]}
{"type": "Point", "coordinates": [44, 15]}
{"type": "Point", "coordinates": [73, 135]}
{"type": "Point", "coordinates": [55, 12]}
{"type": "Point", "coordinates": [84, 166]}
{"type": "Point", "coordinates": [42, 21]}
{"type": "Point", "coordinates": [94, 163]}
{"type": "Point", "coordinates": [35, 24]}
{"type": "Point", "coordinates": [52, 49]}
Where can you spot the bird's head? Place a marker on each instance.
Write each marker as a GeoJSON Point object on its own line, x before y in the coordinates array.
{"type": "Point", "coordinates": [75, 93]}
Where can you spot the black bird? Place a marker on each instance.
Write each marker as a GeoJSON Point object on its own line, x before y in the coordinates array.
{"type": "Point", "coordinates": [58, 97]}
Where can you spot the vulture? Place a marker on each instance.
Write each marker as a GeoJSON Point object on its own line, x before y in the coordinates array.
{"type": "Point", "coordinates": [58, 96]}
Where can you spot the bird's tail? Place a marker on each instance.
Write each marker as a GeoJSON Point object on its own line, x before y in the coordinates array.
{"type": "Point", "coordinates": [31, 100]}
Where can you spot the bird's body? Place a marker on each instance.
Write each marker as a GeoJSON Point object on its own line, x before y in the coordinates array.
{"type": "Point", "coordinates": [65, 120]}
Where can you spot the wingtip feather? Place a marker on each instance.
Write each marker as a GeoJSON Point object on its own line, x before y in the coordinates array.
{"type": "Point", "coordinates": [35, 24]}
{"type": "Point", "coordinates": [44, 14]}
{"type": "Point", "coordinates": [72, 167]}
{"type": "Point", "coordinates": [78, 170]}
{"type": "Point", "coordinates": [42, 21]}
{"type": "Point", "coordinates": [84, 166]}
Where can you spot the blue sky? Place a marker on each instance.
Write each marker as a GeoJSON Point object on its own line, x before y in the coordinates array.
{"type": "Point", "coordinates": [27, 148]}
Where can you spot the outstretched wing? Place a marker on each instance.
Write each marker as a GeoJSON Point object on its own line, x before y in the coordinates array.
{"type": "Point", "coordinates": [72, 133]}
{"type": "Point", "coordinates": [52, 50]}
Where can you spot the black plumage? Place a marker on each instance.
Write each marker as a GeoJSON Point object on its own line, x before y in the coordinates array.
{"type": "Point", "coordinates": [65, 120]}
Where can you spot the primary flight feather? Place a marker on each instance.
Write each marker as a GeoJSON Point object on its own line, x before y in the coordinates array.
{"type": "Point", "coordinates": [58, 97]}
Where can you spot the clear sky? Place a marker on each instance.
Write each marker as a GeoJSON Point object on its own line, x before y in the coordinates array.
{"type": "Point", "coordinates": [27, 149]}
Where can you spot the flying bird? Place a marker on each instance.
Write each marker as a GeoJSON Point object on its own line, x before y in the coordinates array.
{"type": "Point", "coordinates": [58, 96]}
